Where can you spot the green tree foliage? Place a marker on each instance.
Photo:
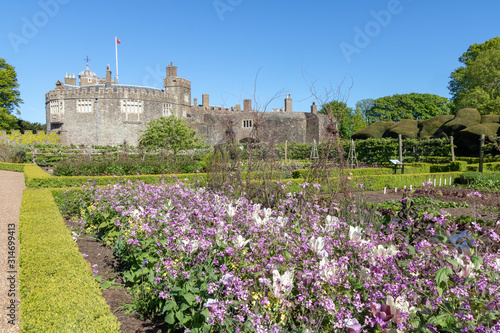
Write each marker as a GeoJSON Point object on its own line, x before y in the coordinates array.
{"type": "Point", "coordinates": [9, 96]}
{"type": "Point", "coordinates": [363, 107]}
{"type": "Point", "coordinates": [476, 84]}
{"type": "Point", "coordinates": [170, 134]}
{"type": "Point", "coordinates": [405, 106]}
{"type": "Point", "coordinates": [26, 126]}
{"type": "Point", "coordinates": [349, 120]}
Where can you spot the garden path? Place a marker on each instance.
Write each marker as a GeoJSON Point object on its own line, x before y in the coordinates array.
{"type": "Point", "coordinates": [11, 191]}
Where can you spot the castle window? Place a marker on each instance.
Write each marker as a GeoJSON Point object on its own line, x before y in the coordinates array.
{"type": "Point", "coordinates": [131, 106]}
{"type": "Point", "coordinates": [56, 107]}
{"type": "Point", "coordinates": [247, 123]}
{"type": "Point", "coordinates": [184, 112]}
{"type": "Point", "coordinates": [167, 109]}
{"type": "Point", "coordinates": [186, 98]}
{"type": "Point", "coordinates": [84, 106]}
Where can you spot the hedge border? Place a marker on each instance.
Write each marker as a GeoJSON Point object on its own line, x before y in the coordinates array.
{"type": "Point", "coordinates": [379, 182]}
{"type": "Point", "coordinates": [58, 291]}
{"type": "Point", "coordinates": [11, 166]}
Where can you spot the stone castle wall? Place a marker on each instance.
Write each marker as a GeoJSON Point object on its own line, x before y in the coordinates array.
{"type": "Point", "coordinates": [111, 114]}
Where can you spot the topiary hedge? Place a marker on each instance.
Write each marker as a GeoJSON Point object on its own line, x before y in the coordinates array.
{"type": "Point", "coordinates": [57, 289]}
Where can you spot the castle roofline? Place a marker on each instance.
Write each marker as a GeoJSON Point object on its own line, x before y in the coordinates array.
{"type": "Point", "coordinates": [113, 86]}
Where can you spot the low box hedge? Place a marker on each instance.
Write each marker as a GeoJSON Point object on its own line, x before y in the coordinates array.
{"type": "Point", "coordinates": [491, 167]}
{"type": "Point", "coordinates": [35, 177]}
{"type": "Point", "coordinates": [57, 289]}
{"type": "Point", "coordinates": [12, 166]}
{"type": "Point", "coordinates": [378, 182]}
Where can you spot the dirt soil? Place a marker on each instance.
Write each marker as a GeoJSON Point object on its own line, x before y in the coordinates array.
{"type": "Point", "coordinates": [486, 208]}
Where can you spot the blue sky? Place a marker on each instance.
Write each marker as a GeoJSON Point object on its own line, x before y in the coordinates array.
{"type": "Point", "coordinates": [384, 47]}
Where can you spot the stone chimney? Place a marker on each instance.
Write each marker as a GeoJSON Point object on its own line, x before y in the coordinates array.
{"type": "Point", "coordinates": [205, 101]}
{"type": "Point", "coordinates": [195, 102]}
{"type": "Point", "coordinates": [171, 70]}
{"type": "Point", "coordinates": [107, 83]}
{"type": "Point", "coordinates": [70, 80]}
{"type": "Point", "coordinates": [237, 107]}
{"type": "Point", "coordinates": [314, 108]}
{"type": "Point", "coordinates": [247, 105]}
{"type": "Point", "coordinates": [288, 103]}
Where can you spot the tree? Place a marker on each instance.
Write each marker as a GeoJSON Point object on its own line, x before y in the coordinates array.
{"type": "Point", "coordinates": [363, 107]}
{"type": "Point", "coordinates": [170, 134]}
{"type": "Point", "coordinates": [476, 84]}
{"type": "Point", "coordinates": [349, 120]}
{"type": "Point", "coordinates": [9, 96]}
{"type": "Point", "coordinates": [407, 106]}
{"type": "Point", "coordinates": [25, 126]}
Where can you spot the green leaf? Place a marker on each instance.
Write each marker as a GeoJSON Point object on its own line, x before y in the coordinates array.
{"type": "Point", "coordinates": [184, 306]}
{"type": "Point", "coordinates": [170, 319]}
{"type": "Point", "coordinates": [180, 317]}
{"type": "Point", "coordinates": [443, 320]}
{"type": "Point", "coordinates": [442, 238]}
{"type": "Point", "coordinates": [106, 285]}
{"type": "Point", "coordinates": [478, 261]}
{"type": "Point", "coordinates": [169, 306]}
{"type": "Point", "coordinates": [404, 263]}
{"type": "Point", "coordinates": [442, 274]}
{"type": "Point", "coordinates": [411, 249]}
{"type": "Point", "coordinates": [190, 298]}
{"type": "Point", "coordinates": [453, 262]}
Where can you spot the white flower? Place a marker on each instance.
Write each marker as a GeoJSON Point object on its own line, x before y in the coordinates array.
{"type": "Point", "coordinates": [381, 251]}
{"type": "Point", "coordinates": [281, 221]}
{"type": "Point", "coordinates": [231, 211]}
{"type": "Point", "coordinates": [190, 246]}
{"type": "Point", "coordinates": [240, 242]}
{"type": "Point", "coordinates": [328, 270]}
{"type": "Point", "coordinates": [316, 244]}
{"type": "Point", "coordinates": [331, 223]}
{"type": "Point", "coordinates": [364, 273]}
{"type": "Point", "coordinates": [355, 233]}
{"type": "Point", "coordinates": [227, 279]}
{"type": "Point", "coordinates": [267, 212]}
{"type": "Point", "coordinates": [210, 302]}
{"type": "Point", "coordinates": [282, 284]}
{"type": "Point", "coordinates": [400, 304]}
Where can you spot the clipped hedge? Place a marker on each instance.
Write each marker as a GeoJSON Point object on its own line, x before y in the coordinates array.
{"type": "Point", "coordinates": [488, 167]}
{"type": "Point", "coordinates": [453, 166]}
{"type": "Point", "coordinates": [379, 182]}
{"type": "Point", "coordinates": [48, 181]}
{"type": "Point", "coordinates": [12, 167]}
{"type": "Point", "coordinates": [58, 291]}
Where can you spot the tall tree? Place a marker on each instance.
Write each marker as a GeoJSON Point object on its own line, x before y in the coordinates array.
{"type": "Point", "coordinates": [349, 120]}
{"type": "Point", "coordinates": [9, 96]}
{"type": "Point", "coordinates": [407, 106]}
{"type": "Point", "coordinates": [363, 107]}
{"type": "Point", "coordinates": [476, 84]}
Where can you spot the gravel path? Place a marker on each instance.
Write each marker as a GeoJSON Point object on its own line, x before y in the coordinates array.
{"type": "Point", "coordinates": [11, 191]}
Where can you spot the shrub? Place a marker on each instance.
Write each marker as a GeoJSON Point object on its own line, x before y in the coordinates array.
{"type": "Point", "coordinates": [58, 291]}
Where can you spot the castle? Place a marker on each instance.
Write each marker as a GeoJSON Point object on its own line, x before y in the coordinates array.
{"type": "Point", "coordinates": [99, 111]}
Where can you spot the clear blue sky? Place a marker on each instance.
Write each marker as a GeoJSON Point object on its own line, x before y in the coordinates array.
{"type": "Point", "coordinates": [386, 47]}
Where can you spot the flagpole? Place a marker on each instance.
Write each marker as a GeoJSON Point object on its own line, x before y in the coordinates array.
{"type": "Point", "coordinates": [116, 53]}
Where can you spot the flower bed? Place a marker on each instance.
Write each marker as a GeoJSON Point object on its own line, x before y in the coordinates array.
{"type": "Point", "coordinates": [202, 261]}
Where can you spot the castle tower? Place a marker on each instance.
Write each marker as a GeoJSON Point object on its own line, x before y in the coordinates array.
{"type": "Point", "coordinates": [180, 89]}
{"type": "Point", "coordinates": [87, 77]}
